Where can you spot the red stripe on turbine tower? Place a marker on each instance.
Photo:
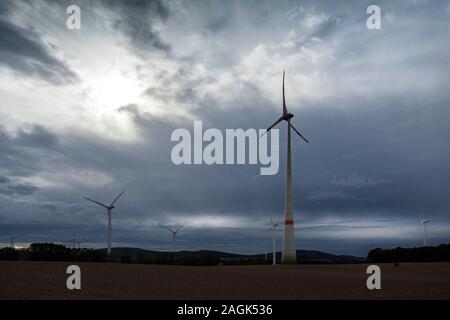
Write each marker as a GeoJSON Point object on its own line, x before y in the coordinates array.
{"type": "Point", "coordinates": [289, 222]}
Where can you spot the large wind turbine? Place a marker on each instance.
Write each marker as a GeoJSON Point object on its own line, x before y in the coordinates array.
{"type": "Point", "coordinates": [109, 208]}
{"type": "Point", "coordinates": [174, 235]}
{"type": "Point", "coordinates": [273, 227]}
{"type": "Point", "coordinates": [424, 222]}
{"type": "Point", "coordinates": [289, 251]}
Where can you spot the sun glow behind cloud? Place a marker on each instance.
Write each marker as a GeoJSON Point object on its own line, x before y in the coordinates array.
{"type": "Point", "coordinates": [114, 90]}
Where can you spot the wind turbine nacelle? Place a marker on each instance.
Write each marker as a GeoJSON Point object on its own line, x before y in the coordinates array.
{"type": "Point", "coordinates": [288, 116]}
{"type": "Point", "coordinates": [112, 207]}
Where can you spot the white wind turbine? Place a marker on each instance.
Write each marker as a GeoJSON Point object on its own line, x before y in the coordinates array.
{"type": "Point", "coordinates": [12, 241]}
{"type": "Point", "coordinates": [74, 242]}
{"type": "Point", "coordinates": [273, 227]}
{"type": "Point", "coordinates": [109, 208]}
{"type": "Point", "coordinates": [289, 251]}
{"type": "Point", "coordinates": [174, 236]}
{"type": "Point", "coordinates": [424, 222]}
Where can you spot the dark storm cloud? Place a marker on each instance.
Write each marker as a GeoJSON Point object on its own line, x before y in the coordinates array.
{"type": "Point", "coordinates": [21, 189]}
{"type": "Point", "coordinates": [218, 24]}
{"type": "Point", "coordinates": [177, 87]}
{"type": "Point", "coordinates": [21, 153]}
{"type": "Point", "coordinates": [3, 180]}
{"type": "Point", "coordinates": [12, 158]}
{"type": "Point", "coordinates": [38, 136]}
{"type": "Point", "coordinates": [327, 27]}
{"type": "Point", "coordinates": [5, 7]}
{"type": "Point", "coordinates": [361, 171]}
{"type": "Point", "coordinates": [399, 168]}
{"type": "Point", "coordinates": [9, 188]}
{"type": "Point", "coordinates": [136, 20]}
{"type": "Point", "coordinates": [23, 51]}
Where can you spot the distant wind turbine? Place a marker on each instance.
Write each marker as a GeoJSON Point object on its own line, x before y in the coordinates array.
{"type": "Point", "coordinates": [12, 241]}
{"type": "Point", "coordinates": [289, 250]}
{"type": "Point", "coordinates": [273, 227]}
{"type": "Point", "coordinates": [424, 222]}
{"type": "Point", "coordinates": [266, 249]}
{"type": "Point", "coordinates": [174, 235]}
{"type": "Point", "coordinates": [109, 208]}
{"type": "Point", "coordinates": [74, 241]}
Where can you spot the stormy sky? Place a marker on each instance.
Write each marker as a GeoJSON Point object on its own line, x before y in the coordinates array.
{"type": "Point", "coordinates": [90, 112]}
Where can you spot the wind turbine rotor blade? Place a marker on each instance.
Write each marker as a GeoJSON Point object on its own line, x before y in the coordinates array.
{"type": "Point", "coordinates": [284, 101]}
{"type": "Point", "coordinates": [170, 229]}
{"type": "Point", "coordinates": [117, 198]}
{"type": "Point", "coordinates": [179, 228]}
{"type": "Point", "coordinates": [96, 202]}
{"type": "Point", "coordinates": [292, 126]}
{"type": "Point", "coordinates": [273, 125]}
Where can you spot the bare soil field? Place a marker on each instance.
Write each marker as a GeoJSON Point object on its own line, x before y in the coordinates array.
{"type": "Point", "coordinates": [47, 280]}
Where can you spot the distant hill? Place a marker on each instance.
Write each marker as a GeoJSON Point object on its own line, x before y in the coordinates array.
{"type": "Point", "coordinates": [58, 252]}
{"type": "Point", "coordinates": [417, 254]}
{"type": "Point", "coordinates": [137, 255]}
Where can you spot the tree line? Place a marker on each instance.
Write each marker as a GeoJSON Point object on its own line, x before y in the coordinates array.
{"type": "Point", "coordinates": [52, 252]}
{"type": "Point", "coordinates": [418, 254]}
{"type": "Point", "coordinates": [58, 252]}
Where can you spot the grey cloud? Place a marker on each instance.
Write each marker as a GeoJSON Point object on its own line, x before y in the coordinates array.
{"type": "Point", "coordinates": [339, 227]}
{"type": "Point", "coordinates": [329, 194]}
{"type": "Point", "coordinates": [129, 108]}
{"type": "Point", "coordinates": [9, 188]}
{"type": "Point", "coordinates": [177, 87]}
{"type": "Point", "coordinates": [23, 51]}
{"type": "Point", "coordinates": [22, 189]}
{"type": "Point", "coordinates": [328, 27]}
{"type": "Point", "coordinates": [343, 188]}
{"type": "Point", "coordinates": [4, 180]}
{"type": "Point", "coordinates": [21, 153]}
{"type": "Point", "coordinates": [136, 20]}
{"type": "Point", "coordinates": [5, 7]}
{"type": "Point", "coordinates": [356, 181]}
{"type": "Point", "coordinates": [218, 24]}
{"type": "Point", "coordinates": [38, 136]}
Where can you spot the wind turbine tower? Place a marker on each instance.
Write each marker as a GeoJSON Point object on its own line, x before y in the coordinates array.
{"type": "Point", "coordinates": [289, 250]}
{"type": "Point", "coordinates": [273, 226]}
{"type": "Point", "coordinates": [174, 237]}
{"type": "Point", "coordinates": [424, 222]}
{"type": "Point", "coordinates": [74, 242]}
{"type": "Point", "coordinates": [12, 241]}
{"type": "Point", "coordinates": [109, 208]}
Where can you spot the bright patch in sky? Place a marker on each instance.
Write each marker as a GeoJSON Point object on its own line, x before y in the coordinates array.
{"type": "Point", "coordinates": [114, 90]}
